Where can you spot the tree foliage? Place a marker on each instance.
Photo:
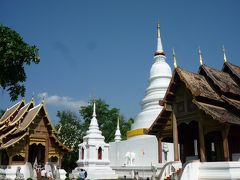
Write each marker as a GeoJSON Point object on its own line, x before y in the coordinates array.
{"type": "Point", "coordinates": [70, 133]}
{"type": "Point", "coordinates": [70, 129]}
{"type": "Point", "coordinates": [14, 55]}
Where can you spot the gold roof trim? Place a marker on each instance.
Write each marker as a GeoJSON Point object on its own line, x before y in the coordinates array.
{"type": "Point", "coordinates": [53, 153]}
{"type": "Point", "coordinates": [37, 141]}
{"type": "Point", "coordinates": [16, 106]}
{"type": "Point", "coordinates": [20, 154]}
{"type": "Point", "coordinates": [37, 109]}
{"type": "Point", "coordinates": [9, 143]}
{"type": "Point", "coordinates": [9, 132]}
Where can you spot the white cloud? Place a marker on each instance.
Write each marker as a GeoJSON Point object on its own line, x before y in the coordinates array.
{"type": "Point", "coordinates": [62, 101]}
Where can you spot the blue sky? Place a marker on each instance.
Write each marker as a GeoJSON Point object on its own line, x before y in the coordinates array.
{"type": "Point", "coordinates": [104, 48]}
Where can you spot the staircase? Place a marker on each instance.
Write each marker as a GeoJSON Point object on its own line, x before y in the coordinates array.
{"type": "Point", "coordinates": [171, 170]}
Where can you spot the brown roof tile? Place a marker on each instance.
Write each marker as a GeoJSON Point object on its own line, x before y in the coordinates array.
{"type": "Point", "coordinates": [223, 80]}
{"type": "Point", "coordinates": [214, 92]}
{"type": "Point", "coordinates": [218, 113]}
{"type": "Point", "coordinates": [198, 85]}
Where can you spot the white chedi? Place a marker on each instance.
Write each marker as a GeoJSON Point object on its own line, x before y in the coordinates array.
{"type": "Point", "coordinates": [93, 153]}
{"type": "Point", "coordinates": [118, 133]}
{"type": "Point", "coordinates": [160, 76]}
{"type": "Point", "coordinates": [145, 147]}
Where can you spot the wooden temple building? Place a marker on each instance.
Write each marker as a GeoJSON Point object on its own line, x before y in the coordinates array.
{"type": "Point", "coordinates": [27, 135]}
{"type": "Point", "coordinates": [201, 114]}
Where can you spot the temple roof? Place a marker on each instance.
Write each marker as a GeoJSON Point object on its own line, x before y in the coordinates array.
{"type": "Point", "coordinates": [222, 81]}
{"type": "Point", "coordinates": [214, 92]}
{"type": "Point", "coordinates": [233, 70]}
{"type": "Point", "coordinates": [10, 111]}
{"type": "Point", "coordinates": [19, 119]}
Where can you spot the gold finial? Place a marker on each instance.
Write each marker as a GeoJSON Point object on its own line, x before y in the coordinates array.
{"type": "Point", "coordinates": [200, 56]}
{"type": "Point", "coordinates": [174, 59]}
{"type": "Point", "coordinates": [224, 55]}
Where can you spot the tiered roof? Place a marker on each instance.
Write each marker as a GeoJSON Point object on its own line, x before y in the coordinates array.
{"type": "Point", "coordinates": [215, 92]}
{"type": "Point", "coordinates": [17, 120]}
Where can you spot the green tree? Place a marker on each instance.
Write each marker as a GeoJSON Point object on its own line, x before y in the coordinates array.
{"type": "Point", "coordinates": [14, 55]}
{"type": "Point", "coordinates": [69, 133]}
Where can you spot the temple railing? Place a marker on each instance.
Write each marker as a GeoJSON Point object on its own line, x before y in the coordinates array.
{"type": "Point", "coordinates": [169, 169]}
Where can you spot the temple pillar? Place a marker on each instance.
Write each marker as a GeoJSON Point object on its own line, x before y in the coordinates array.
{"type": "Point", "coordinates": [10, 159]}
{"type": "Point", "coordinates": [201, 142]}
{"type": "Point", "coordinates": [175, 137]}
{"type": "Point", "coordinates": [26, 151]}
{"type": "Point", "coordinates": [225, 143]}
{"type": "Point", "coordinates": [159, 150]}
{"type": "Point", "coordinates": [60, 160]}
{"type": "Point", "coordinates": [46, 150]}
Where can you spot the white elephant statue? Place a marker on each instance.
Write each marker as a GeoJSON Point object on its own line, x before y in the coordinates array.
{"type": "Point", "coordinates": [129, 158]}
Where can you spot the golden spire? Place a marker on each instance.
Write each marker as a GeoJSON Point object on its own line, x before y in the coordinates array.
{"type": "Point", "coordinates": [174, 59]}
{"type": "Point", "coordinates": [200, 56]}
{"type": "Point", "coordinates": [224, 55]}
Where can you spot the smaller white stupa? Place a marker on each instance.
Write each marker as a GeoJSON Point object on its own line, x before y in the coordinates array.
{"type": "Point", "coordinates": [118, 133]}
{"type": "Point", "coordinates": [93, 153]}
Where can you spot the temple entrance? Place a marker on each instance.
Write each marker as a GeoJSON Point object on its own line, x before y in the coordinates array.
{"type": "Point", "coordinates": [36, 152]}
{"type": "Point", "coordinates": [233, 143]}
{"type": "Point", "coordinates": [214, 146]}
{"type": "Point", "coordinates": [4, 159]}
{"type": "Point", "coordinates": [188, 140]}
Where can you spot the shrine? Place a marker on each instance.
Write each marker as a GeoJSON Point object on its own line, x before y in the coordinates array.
{"type": "Point", "coordinates": [201, 114]}
{"type": "Point", "coordinates": [27, 135]}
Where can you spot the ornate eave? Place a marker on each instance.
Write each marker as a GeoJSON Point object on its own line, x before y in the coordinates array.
{"type": "Point", "coordinates": [13, 141]}
{"type": "Point", "coordinates": [22, 112]}
{"type": "Point", "coordinates": [11, 111]}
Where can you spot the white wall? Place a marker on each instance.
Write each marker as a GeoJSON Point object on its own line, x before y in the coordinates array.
{"type": "Point", "coordinates": [145, 149]}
